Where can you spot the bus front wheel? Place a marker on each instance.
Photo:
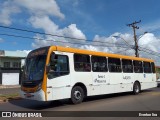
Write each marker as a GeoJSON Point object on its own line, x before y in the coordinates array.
{"type": "Point", "coordinates": [77, 95]}
{"type": "Point", "coordinates": [136, 88]}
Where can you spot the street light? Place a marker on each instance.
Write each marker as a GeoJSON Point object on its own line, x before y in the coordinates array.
{"type": "Point", "coordinates": [140, 36]}
{"type": "Point", "coordinates": [118, 36]}
{"type": "Point", "coordinates": [132, 47]}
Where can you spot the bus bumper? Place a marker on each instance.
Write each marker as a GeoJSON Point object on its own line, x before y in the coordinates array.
{"type": "Point", "coordinates": [39, 95]}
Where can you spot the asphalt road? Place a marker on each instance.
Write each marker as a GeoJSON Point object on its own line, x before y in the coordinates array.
{"type": "Point", "coordinates": [148, 100]}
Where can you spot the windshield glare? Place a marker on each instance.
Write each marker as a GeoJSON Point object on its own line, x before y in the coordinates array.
{"type": "Point", "coordinates": [35, 67]}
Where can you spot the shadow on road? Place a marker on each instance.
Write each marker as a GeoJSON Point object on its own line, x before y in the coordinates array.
{"type": "Point", "coordinates": [38, 105]}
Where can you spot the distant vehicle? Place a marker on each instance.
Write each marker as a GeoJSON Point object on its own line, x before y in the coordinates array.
{"type": "Point", "coordinates": [54, 73]}
{"type": "Point", "coordinates": [158, 82]}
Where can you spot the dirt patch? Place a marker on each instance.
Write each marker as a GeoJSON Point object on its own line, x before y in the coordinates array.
{"type": "Point", "coordinates": [6, 97]}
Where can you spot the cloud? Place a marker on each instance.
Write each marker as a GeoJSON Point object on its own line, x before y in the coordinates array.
{"type": "Point", "coordinates": [150, 41]}
{"type": "Point", "coordinates": [70, 31]}
{"type": "Point", "coordinates": [43, 22]}
{"type": "Point", "coordinates": [89, 47]}
{"type": "Point", "coordinates": [46, 24]}
{"type": "Point", "coordinates": [114, 43]}
{"type": "Point", "coordinates": [73, 31]}
{"type": "Point", "coordinates": [42, 7]}
{"type": "Point", "coordinates": [7, 9]}
{"type": "Point", "coordinates": [40, 15]}
{"type": "Point", "coordinates": [24, 51]}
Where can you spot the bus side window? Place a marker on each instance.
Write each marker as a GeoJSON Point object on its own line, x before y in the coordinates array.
{"type": "Point", "coordinates": [147, 67]}
{"type": "Point", "coordinates": [127, 66]}
{"type": "Point", "coordinates": [82, 63]}
{"type": "Point", "coordinates": [114, 65]}
{"type": "Point", "coordinates": [59, 66]}
{"type": "Point", "coordinates": [138, 68]}
{"type": "Point", "coordinates": [99, 64]}
{"type": "Point", "coordinates": [153, 67]}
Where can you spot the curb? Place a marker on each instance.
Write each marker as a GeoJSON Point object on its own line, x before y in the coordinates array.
{"type": "Point", "coordinates": [9, 86]}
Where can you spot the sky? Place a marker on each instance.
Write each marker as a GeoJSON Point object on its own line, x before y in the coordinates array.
{"type": "Point", "coordinates": [100, 25]}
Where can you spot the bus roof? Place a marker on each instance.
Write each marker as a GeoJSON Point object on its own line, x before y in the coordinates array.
{"type": "Point", "coordinates": [88, 52]}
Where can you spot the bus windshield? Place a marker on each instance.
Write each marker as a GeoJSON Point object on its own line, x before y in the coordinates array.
{"type": "Point", "coordinates": [35, 67]}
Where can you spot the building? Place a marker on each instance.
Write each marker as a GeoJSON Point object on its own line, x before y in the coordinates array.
{"type": "Point", "coordinates": [10, 66]}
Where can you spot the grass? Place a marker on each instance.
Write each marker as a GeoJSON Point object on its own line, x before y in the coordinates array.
{"type": "Point", "coordinates": [5, 97]}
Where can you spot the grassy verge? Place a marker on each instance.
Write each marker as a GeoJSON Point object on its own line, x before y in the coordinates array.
{"type": "Point", "coordinates": [6, 97]}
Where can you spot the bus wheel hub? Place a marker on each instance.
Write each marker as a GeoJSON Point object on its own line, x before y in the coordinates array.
{"type": "Point", "coordinates": [77, 95]}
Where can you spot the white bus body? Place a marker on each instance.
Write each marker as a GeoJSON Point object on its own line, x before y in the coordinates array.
{"type": "Point", "coordinates": [92, 83]}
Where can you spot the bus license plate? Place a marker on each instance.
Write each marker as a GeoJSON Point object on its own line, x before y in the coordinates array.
{"type": "Point", "coordinates": [28, 95]}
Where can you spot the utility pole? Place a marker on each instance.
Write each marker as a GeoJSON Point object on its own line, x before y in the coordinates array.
{"type": "Point", "coordinates": [133, 25]}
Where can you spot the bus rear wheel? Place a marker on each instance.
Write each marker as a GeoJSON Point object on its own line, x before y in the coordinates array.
{"type": "Point", "coordinates": [136, 88]}
{"type": "Point", "coordinates": [77, 95]}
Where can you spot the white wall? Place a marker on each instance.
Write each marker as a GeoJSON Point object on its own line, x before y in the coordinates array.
{"type": "Point", "coordinates": [10, 78]}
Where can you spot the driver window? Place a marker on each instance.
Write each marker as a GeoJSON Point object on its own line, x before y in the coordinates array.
{"type": "Point", "coordinates": [59, 66]}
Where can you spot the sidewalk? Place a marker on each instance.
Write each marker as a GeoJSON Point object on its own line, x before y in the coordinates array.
{"type": "Point", "coordinates": [9, 86]}
{"type": "Point", "coordinates": [9, 92]}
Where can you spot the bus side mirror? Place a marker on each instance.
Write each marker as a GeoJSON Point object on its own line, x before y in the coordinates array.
{"type": "Point", "coordinates": [48, 67]}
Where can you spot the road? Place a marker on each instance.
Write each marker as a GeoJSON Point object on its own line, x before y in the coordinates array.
{"type": "Point", "coordinates": [148, 100]}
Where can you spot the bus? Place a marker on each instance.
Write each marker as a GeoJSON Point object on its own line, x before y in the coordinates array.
{"type": "Point", "coordinates": [56, 72]}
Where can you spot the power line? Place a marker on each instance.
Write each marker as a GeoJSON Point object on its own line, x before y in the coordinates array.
{"type": "Point", "coordinates": [48, 34]}
{"type": "Point", "coordinates": [149, 50]}
{"type": "Point", "coordinates": [18, 36]}
{"type": "Point", "coordinates": [132, 47]}
{"type": "Point", "coordinates": [151, 42]}
{"type": "Point", "coordinates": [24, 30]}
{"type": "Point", "coordinates": [123, 40]}
{"type": "Point", "coordinates": [72, 43]}
{"type": "Point", "coordinates": [124, 50]}
{"type": "Point", "coordinates": [150, 53]}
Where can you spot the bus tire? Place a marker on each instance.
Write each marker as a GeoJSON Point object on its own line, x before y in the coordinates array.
{"type": "Point", "coordinates": [77, 95]}
{"type": "Point", "coordinates": [136, 88]}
